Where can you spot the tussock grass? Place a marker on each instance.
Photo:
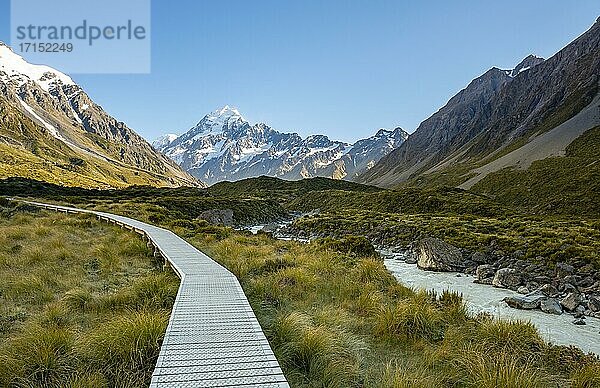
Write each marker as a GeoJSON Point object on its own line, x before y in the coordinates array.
{"type": "Point", "coordinates": [38, 356]}
{"type": "Point", "coordinates": [318, 353]}
{"type": "Point", "coordinates": [336, 319]}
{"type": "Point", "coordinates": [587, 376]}
{"type": "Point", "coordinates": [476, 369]}
{"type": "Point", "coordinates": [407, 376]}
{"type": "Point", "coordinates": [413, 319]}
{"type": "Point", "coordinates": [77, 293]}
{"type": "Point", "coordinates": [127, 345]}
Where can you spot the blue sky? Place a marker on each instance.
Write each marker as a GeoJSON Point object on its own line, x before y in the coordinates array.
{"type": "Point", "coordinates": [342, 68]}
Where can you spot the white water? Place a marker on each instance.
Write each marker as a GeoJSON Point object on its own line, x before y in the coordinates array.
{"type": "Point", "coordinates": [557, 329]}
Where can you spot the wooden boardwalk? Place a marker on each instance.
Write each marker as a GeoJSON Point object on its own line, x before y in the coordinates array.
{"type": "Point", "coordinates": [213, 338]}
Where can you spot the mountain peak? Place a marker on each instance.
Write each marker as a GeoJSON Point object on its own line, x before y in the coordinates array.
{"type": "Point", "coordinates": [227, 111]}
{"type": "Point", "coordinates": [527, 63]}
{"type": "Point", "coordinates": [20, 71]}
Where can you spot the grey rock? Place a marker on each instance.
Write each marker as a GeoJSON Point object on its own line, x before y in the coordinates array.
{"type": "Point", "coordinates": [550, 306]}
{"type": "Point", "coordinates": [524, 302]}
{"type": "Point", "coordinates": [218, 216]}
{"type": "Point", "coordinates": [563, 269]}
{"type": "Point", "coordinates": [523, 290]}
{"type": "Point", "coordinates": [579, 322]}
{"type": "Point", "coordinates": [485, 271]}
{"type": "Point", "coordinates": [579, 312]}
{"type": "Point", "coordinates": [568, 288]}
{"type": "Point", "coordinates": [549, 290]}
{"type": "Point", "coordinates": [507, 278]}
{"type": "Point", "coordinates": [411, 258]}
{"type": "Point", "coordinates": [571, 301]}
{"type": "Point", "coordinates": [585, 282]}
{"type": "Point", "coordinates": [436, 255]}
{"type": "Point", "coordinates": [594, 303]}
{"type": "Point", "coordinates": [479, 258]}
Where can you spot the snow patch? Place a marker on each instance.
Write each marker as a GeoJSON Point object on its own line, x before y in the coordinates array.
{"type": "Point", "coordinates": [21, 71]}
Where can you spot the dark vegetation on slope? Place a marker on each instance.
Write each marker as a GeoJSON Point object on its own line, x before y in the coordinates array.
{"type": "Point", "coordinates": [183, 203]}
{"type": "Point", "coordinates": [268, 187]}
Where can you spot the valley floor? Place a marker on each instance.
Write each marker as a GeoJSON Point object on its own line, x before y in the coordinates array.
{"type": "Point", "coordinates": [335, 316]}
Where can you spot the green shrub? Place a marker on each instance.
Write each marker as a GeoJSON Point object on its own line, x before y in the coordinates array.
{"type": "Point", "coordinates": [354, 245]}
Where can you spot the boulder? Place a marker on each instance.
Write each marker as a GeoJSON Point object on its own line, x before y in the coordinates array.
{"type": "Point", "coordinates": [524, 302]}
{"type": "Point", "coordinates": [436, 255]}
{"type": "Point", "coordinates": [218, 216]}
{"type": "Point", "coordinates": [579, 321]}
{"type": "Point", "coordinates": [485, 273]}
{"type": "Point", "coordinates": [587, 281]}
{"type": "Point", "coordinates": [549, 290]}
{"type": "Point", "coordinates": [594, 304]}
{"type": "Point", "coordinates": [564, 269]}
{"type": "Point", "coordinates": [523, 290]}
{"type": "Point", "coordinates": [507, 278]}
{"type": "Point", "coordinates": [410, 257]}
{"type": "Point", "coordinates": [571, 301]}
{"type": "Point", "coordinates": [271, 228]}
{"type": "Point", "coordinates": [480, 258]}
{"type": "Point", "coordinates": [550, 306]}
{"type": "Point", "coordinates": [579, 312]}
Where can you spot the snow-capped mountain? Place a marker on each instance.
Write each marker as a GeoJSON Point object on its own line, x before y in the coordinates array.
{"type": "Point", "coordinates": [224, 146]}
{"type": "Point", "coordinates": [51, 130]}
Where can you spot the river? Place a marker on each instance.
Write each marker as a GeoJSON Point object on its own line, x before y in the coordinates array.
{"type": "Point", "coordinates": [557, 329]}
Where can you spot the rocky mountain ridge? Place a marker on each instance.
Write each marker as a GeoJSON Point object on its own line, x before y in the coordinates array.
{"type": "Point", "coordinates": [51, 129]}
{"type": "Point", "coordinates": [224, 146]}
{"type": "Point", "coordinates": [496, 114]}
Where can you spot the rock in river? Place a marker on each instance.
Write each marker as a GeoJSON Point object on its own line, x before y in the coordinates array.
{"type": "Point", "coordinates": [436, 255]}
{"type": "Point", "coordinates": [550, 306]}
{"type": "Point", "coordinates": [524, 302]}
{"type": "Point", "coordinates": [507, 278]}
{"type": "Point", "coordinates": [571, 301]}
{"type": "Point", "coordinates": [485, 273]}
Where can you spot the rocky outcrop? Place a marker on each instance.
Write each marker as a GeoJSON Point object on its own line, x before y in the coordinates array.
{"type": "Point", "coordinates": [222, 217]}
{"type": "Point", "coordinates": [485, 273]}
{"type": "Point", "coordinates": [525, 302]}
{"type": "Point", "coordinates": [551, 306]}
{"type": "Point", "coordinates": [571, 301]}
{"type": "Point", "coordinates": [436, 255]}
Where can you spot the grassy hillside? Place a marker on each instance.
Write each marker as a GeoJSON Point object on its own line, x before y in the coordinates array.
{"type": "Point", "coordinates": [82, 304]}
{"type": "Point", "coordinates": [27, 151]}
{"type": "Point", "coordinates": [267, 187]}
{"type": "Point", "coordinates": [566, 185]}
{"type": "Point", "coordinates": [150, 203]}
{"type": "Point", "coordinates": [443, 200]}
